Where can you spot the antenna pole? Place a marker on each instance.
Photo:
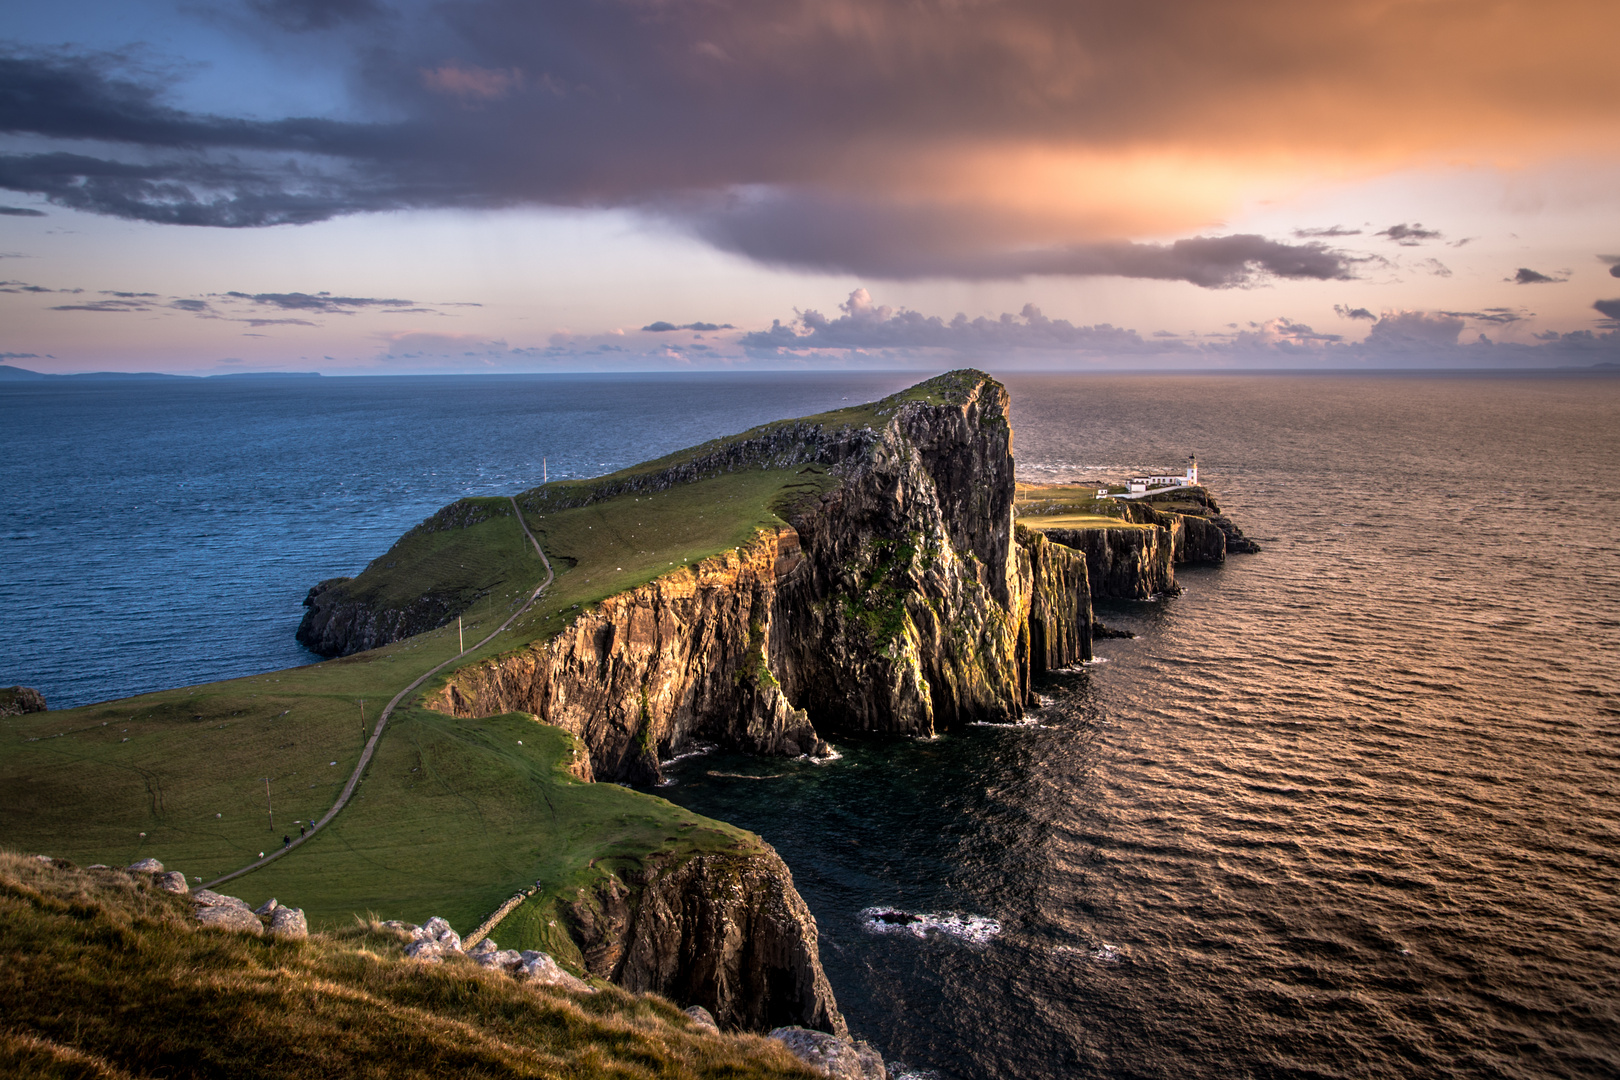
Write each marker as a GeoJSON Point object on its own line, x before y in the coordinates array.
{"type": "Point", "coordinates": [271, 810]}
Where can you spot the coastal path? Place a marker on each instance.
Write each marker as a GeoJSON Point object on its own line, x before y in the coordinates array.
{"type": "Point", "coordinates": [382, 721]}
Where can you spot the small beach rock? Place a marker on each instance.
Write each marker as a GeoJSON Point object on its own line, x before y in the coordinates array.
{"type": "Point", "coordinates": [173, 881]}
{"type": "Point", "coordinates": [146, 866]}
{"type": "Point", "coordinates": [702, 1018]}
{"type": "Point", "coordinates": [537, 967]}
{"type": "Point", "coordinates": [289, 924]}
{"type": "Point", "coordinates": [843, 1059]}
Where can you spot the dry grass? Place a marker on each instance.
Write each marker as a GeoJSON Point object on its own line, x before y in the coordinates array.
{"type": "Point", "coordinates": [104, 976]}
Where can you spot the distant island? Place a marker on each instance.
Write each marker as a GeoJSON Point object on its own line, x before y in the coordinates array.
{"type": "Point", "coordinates": [872, 569]}
{"type": "Point", "coordinates": [8, 373]}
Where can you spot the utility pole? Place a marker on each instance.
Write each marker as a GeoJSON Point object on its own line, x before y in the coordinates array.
{"type": "Point", "coordinates": [271, 810]}
{"type": "Point", "coordinates": [460, 640]}
{"type": "Point", "coordinates": [545, 477]}
{"type": "Point", "coordinates": [362, 719]}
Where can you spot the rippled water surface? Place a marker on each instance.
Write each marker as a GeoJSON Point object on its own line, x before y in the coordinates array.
{"type": "Point", "coordinates": [1346, 808]}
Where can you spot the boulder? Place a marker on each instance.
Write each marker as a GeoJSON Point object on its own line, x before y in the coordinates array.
{"type": "Point", "coordinates": [289, 924]}
{"type": "Point", "coordinates": [438, 930]}
{"type": "Point", "coordinates": [173, 881]}
{"type": "Point", "coordinates": [267, 909]}
{"type": "Point", "coordinates": [18, 700]}
{"type": "Point", "coordinates": [537, 967]}
{"type": "Point", "coordinates": [485, 946]}
{"type": "Point", "coordinates": [226, 912]}
{"type": "Point", "coordinates": [426, 950]}
{"type": "Point", "coordinates": [146, 866]}
{"type": "Point", "coordinates": [702, 1018]}
{"type": "Point", "coordinates": [502, 959]}
{"type": "Point", "coordinates": [831, 1055]}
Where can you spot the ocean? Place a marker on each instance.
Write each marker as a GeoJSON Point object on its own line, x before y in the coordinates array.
{"type": "Point", "coordinates": [1345, 808]}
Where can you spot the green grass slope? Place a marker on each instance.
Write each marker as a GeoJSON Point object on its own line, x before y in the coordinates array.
{"type": "Point", "coordinates": [106, 977]}
{"type": "Point", "coordinates": [453, 816]}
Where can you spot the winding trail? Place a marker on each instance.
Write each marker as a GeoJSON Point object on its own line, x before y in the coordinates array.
{"type": "Point", "coordinates": [382, 721]}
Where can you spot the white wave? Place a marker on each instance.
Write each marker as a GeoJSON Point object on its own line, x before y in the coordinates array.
{"type": "Point", "coordinates": [828, 758]}
{"type": "Point", "coordinates": [695, 750]}
{"type": "Point", "coordinates": [973, 929]}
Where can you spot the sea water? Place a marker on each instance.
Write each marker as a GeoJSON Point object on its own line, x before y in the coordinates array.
{"type": "Point", "coordinates": [1346, 808]}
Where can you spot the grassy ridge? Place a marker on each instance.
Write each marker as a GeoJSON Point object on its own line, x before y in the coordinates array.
{"type": "Point", "coordinates": [105, 976]}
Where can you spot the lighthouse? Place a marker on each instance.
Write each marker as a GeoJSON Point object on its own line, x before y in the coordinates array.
{"type": "Point", "coordinates": [1192, 469]}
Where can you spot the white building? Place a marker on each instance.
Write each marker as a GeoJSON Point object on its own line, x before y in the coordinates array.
{"type": "Point", "coordinates": [1138, 484]}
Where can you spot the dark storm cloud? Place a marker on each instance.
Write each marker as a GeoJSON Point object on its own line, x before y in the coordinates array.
{"type": "Point", "coordinates": [901, 242]}
{"type": "Point", "coordinates": [1527, 276]}
{"type": "Point", "coordinates": [662, 327]}
{"type": "Point", "coordinates": [1409, 235]}
{"type": "Point", "coordinates": [20, 211]}
{"type": "Point", "coordinates": [1354, 313]}
{"type": "Point", "coordinates": [707, 113]}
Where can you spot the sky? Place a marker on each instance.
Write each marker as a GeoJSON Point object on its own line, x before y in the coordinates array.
{"type": "Point", "coordinates": [374, 187]}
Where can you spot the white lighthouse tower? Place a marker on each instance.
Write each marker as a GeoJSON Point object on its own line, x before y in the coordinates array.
{"type": "Point", "coordinates": [1192, 469]}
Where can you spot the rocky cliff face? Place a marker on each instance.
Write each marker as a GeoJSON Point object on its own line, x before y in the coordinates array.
{"type": "Point", "coordinates": [1124, 562]}
{"type": "Point", "coordinates": [899, 601]}
{"type": "Point", "coordinates": [726, 931]}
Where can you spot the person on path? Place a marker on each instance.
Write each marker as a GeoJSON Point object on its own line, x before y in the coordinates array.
{"type": "Point", "coordinates": [286, 841]}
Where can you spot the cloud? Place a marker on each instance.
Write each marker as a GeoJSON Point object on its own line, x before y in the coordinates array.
{"type": "Point", "coordinates": [1610, 309]}
{"type": "Point", "coordinates": [1614, 264]}
{"type": "Point", "coordinates": [1527, 276]}
{"type": "Point", "coordinates": [662, 327]}
{"type": "Point", "coordinates": [24, 287]}
{"type": "Point", "coordinates": [866, 325]}
{"type": "Point", "coordinates": [20, 211]}
{"type": "Point", "coordinates": [1500, 315]}
{"type": "Point", "coordinates": [19, 356]}
{"type": "Point", "coordinates": [324, 303]}
{"type": "Point", "coordinates": [1331, 230]}
{"type": "Point", "coordinates": [472, 82]}
{"type": "Point", "coordinates": [1354, 313]}
{"type": "Point", "coordinates": [1408, 331]}
{"type": "Point", "coordinates": [1408, 235]}
{"type": "Point", "coordinates": [988, 139]}
{"type": "Point", "coordinates": [1433, 266]}
{"type": "Point", "coordinates": [106, 306]}
{"type": "Point", "coordinates": [302, 16]}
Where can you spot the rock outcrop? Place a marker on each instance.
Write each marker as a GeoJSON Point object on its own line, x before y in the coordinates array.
{"type": "Point", "coordinates": [898, 601]}
{"type": "Point", "coordinates": [18, 700]}
{"type": "Point", "coordinates": [831, 1055]}
{"type": "Point", "coordinates": [724, 930]}
{"type": "Point", "coordinates": [1123, 562]}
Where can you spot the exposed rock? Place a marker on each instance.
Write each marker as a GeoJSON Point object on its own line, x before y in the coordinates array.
{"type": "Point", "coordinates": [487, 945]}
{"type": "Point", "coordinates": [174, 881]}
{"type": "Point", "coordinates": [267, 909]}
{"type": "Point", "coordinates": [505, 959]}
{"type": "Point", "coordinates": [17, 700]}
{"type": "Point", "coordinates": [146, 866]}
{"type": "Point", "coordinates": [725, 930]}
{"type": "Point", "coordinates": [537, 967]}
{"type": "Point", "coordinates": [701, 1018]}
{"type": "Point", "coordinates": [1124, 562]}
{"type": "Point", "coordinates": [226, 912]}
{"type": "Point", "coordinates": [830, 1055]}
{"type": "Point", "coordinates": [1100, 632]}
{"type": "Point", "coordinates": [341, 618]}
{"type": "Point", "coordinates": [438, 931]}
{"type": "Point", "coordinates": [426, 950]}
{"type": "Point", "coordinates": [897, 600]}
{"type": "Point", "coordinates": [288, 923]}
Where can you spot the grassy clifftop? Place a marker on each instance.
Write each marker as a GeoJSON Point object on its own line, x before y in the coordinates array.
{"type": "Point", "coordinates": [106, 976]}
